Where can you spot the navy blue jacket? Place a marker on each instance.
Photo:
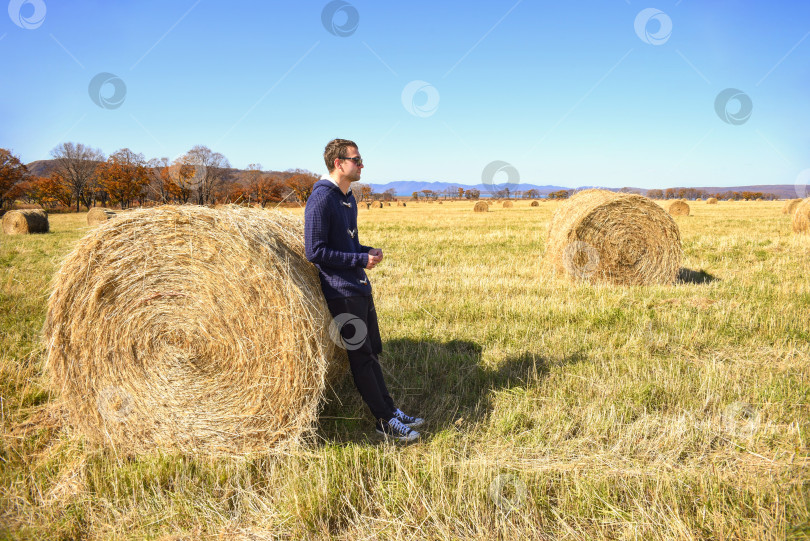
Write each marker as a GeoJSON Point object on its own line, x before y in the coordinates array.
{"type": "Point", "coordinates": [332, 243]}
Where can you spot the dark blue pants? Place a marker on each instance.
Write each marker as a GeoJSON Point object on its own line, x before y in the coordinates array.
{"type": "Point", "coordinates": [363, 344]}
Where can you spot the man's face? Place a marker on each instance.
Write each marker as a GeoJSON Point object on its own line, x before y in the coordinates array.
{"type": "Point", "coordinates": [350, 168]}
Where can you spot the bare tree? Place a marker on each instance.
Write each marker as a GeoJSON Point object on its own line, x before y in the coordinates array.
{"type": "Point", "coordinates": [76, 164]}
{"type": "Point", "coordinates": [209, 170]}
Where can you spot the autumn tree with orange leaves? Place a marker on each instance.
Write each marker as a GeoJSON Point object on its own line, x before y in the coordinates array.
{"type": "Point", "coordinates": [301, 182]}
{"type": "Point", "coordinates": [123, 176]}
{"type": "Point", "coordinates": [12, 172]}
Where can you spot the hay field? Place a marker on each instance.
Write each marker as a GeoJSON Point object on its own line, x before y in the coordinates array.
{"type": "Point", "coordinates": [555, 409]}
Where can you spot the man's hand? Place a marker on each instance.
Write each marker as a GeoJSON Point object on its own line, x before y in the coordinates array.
{"type": "Point", "coordinates": [375, 255]}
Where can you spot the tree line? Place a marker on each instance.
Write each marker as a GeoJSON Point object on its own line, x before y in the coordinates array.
{"type": "Point", "coordinates": [84, 176]}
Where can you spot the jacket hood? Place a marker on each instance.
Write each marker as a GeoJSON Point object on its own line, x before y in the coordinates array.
{"type": "Point", "coordinates": [327, 184]}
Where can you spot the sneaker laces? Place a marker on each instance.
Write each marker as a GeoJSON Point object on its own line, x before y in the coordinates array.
{"type": "Point", "coordinates": [398, 426]}
{"type": "Point", "coordinates": [403, 417]}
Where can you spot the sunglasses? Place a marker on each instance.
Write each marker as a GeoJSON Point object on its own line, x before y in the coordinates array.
{"type": "Point", "coordinates": [357, 159]}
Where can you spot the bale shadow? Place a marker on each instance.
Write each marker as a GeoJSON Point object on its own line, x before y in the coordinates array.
{"type": "Point", "coordinates": [445, 382]}
{"type": "Point", "coordinates": [689, 276]}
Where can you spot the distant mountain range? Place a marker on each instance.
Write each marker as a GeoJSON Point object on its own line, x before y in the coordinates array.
{"type": "Point", "coordinates": [407, 187]}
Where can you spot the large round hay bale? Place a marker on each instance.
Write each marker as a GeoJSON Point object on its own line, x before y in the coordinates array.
{"type": "Point", "coordinates": [535, 204]}
{"type": "Point", "coordinates": [790, 206]}
{"type": "Point", "coordinates": [508, 204]}
{"type": "Point", "coordinates": [388, 204]}
{"type": "Point", "coordinates": [801, 217]}
{"type": "Point", "coordinates": [625, 239]}
{"type": "Point", "coordinates": [679, 208]}
{"type": "Point", "coordinates": [98, 215]}
{"type": "Point", "coordinates": [711, 201]}
{"type": "Point", "coordinates": [193, 329]}
{"type": "Point", "coordinates": [481, 206]}
{"type": "Point", "coordinates": [376, 204]}
{"type": "Point", "coordinates": [22, 222]}
{"type": "Point", "coordinates": [400, 203]}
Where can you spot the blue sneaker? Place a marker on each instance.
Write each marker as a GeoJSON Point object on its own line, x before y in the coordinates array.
{"type": "Point", "coordinates": [407, 420]}
{"type": "Point", "coordinates": [394, 429]}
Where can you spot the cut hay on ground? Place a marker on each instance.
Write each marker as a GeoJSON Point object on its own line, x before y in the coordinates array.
{"type": "Point", "coordinates": [192, 329]}
{"type": "Point", "coordinates": [801, 217]}
{"type": "Point", "coordinates": [535, 204]}
{"type": "Point", "coordinates": [679, 208]}
{"type": "Point", "coordinates": [22, 222]}
{"type": "Point", "coordinates": [481, 206]}
{"type": "Point", "coordinates": [508, 204]}
{"type": "Point", "coordinates": [624, 239]}
{"type": "Point", "coordinates": [790, 206]}
{"type": "Point", "coordinates": [711, 201]}
{"type": "Point", "coordinates": [98, 215]}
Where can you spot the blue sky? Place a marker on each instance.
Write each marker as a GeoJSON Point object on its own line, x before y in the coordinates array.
{"type": "Point", "coordinates": [610, 92]}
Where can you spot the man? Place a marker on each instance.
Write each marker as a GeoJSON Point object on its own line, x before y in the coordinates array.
{"type": "Point", "coordinates": [333, 245]}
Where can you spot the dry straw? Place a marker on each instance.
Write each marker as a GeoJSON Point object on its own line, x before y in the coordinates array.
{"type": "Point", "coordinates": [22, 222]}
{"type": "Point", "coordinates": [535, 204]}
{"type": "Point", "coordinates": [711, 201]}
{"type": "Point", "coordinates": [790, 206]}
{"type": "Point", "coordinates": [801, 217]}
{"type": "Point", "coordinates": [679, 208]}
{"type": "Point", "coordinates": [98, 215]}
{"type": "Point", "coordinates": [508, 204]}
{"type": "Point", "coordinates": [481, 206]}
{"type": "Point", "coordinates": [193, 329]}
{"type": "Point", "coordinates": [376, 204]}
{"type": "Point", "coordinates": [622, 239]}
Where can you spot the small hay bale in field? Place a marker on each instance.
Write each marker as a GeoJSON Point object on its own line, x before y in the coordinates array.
{"type": "Point", "coordinates": [790, 206]}
{"type": "Point", "coordinates": [23, 222]}
{"type": "Point", "coordinates": [376, 204]}
{"type": "Point", "coordinates": [801, 217]}
{"type": "Point", "coordinates": [679, 208]}
{"type": "Point", "coordinates": [535, 204]}
{"type": "Point", "coordinates": [711, 201]}
{"type": "Point", "coordinates": [508, 204]}
{"type": "Point", "coordinates": [98, 215]}
{"type": "Point", "coordinates": [388, 204]}
{"type": "Point", "coordinates": [192, 329]}
{"type": "Point", "coordinates": [400, 203]}
{"type": "Point", "coordinates": [441, 202]}
{"type": "Point", "coordinates": [481, 206]}
{"type": "Point", "coordinates": [623, 239]}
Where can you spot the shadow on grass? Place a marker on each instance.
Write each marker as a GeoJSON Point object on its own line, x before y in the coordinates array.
{"type": "Point", "coordinates": [445, 382]}
{"type": "Point", "coordinates": [689, 276]}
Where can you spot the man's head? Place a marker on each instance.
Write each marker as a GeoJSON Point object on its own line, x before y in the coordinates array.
{"type": "Point", "coordinates": [337, 156]}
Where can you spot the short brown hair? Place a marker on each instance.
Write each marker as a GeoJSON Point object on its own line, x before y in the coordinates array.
{"type": "Point", "coordinates": [336, 148]}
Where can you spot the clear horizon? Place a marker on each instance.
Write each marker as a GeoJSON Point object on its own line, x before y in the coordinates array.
{"type": "Point", "coordinates": [588, 93]}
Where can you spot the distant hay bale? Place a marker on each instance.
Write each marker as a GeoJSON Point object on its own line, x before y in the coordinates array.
{"type": "Point", "coordinates": [679, 208]}
{"type": "Point", "coordinates": [481, 206]}
{"type": "Point", "coordinates": [23, 222]}
{"type": "Point", "coordinates": [98, 215]}
{"type": "Point", "coordinates": [711, 201]}
{"type": "Point", "coordinates": [192, 329]}
{"type": "Point", "coordinates": [535, 204]}
{"type": "Point", "coordinates": [441, 202]}
{"type": "Point", "coordinates": [790, 206]}
{"type": "Point", "coordinates": [801, 217]}
{"type": "Point", "coordinates": [622, 239]}
{"type": "Point", "coordinates": [388, 204]}
{"type": "Point", "coordinates": [400, 203]}
{"type": "Point", "coordinates": [376, 204]}
{"type": "Point", "coordinates": [508, 204]}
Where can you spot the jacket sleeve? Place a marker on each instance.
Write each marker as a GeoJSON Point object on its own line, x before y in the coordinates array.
{"type": "Point", "coordinates": [317, 219]}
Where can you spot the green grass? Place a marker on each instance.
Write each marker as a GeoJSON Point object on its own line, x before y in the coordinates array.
{"type": "Point", "coordinates": [556, 409]}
